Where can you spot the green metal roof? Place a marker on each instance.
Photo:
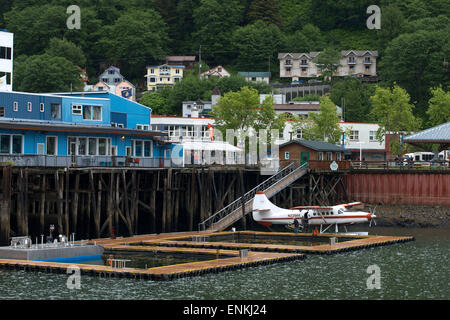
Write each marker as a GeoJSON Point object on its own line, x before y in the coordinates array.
{"type": "Point", "coordinates": [317, 145]}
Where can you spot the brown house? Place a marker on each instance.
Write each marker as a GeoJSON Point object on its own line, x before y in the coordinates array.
{"type": "Point", "coordinates": [317, 154]}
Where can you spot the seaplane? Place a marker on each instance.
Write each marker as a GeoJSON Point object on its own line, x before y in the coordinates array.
{"type": "Point", "coordinates": [267, 214]}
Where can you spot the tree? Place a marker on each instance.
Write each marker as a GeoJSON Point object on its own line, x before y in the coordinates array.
{"type": "Point", "coordinates": [325, 123]}
{"type": "Point", "coordinates": [45, 73]}
{"type": "Point", "coordinates": [392, 109]}
{"type": "Point", "coordinates": [354, 98]}
{"type": "Point", "coordinates": [215, 22]}
{"type": "Point", "coordinates": [157, 101]}
{"type": "Point", "coordinates": [135, 38]}
{"type": "Point", "coordinates": [328, 62]}
{"type": "Point", "coordinates": [392, 21]}
{"type": "Point", "coordinates": [265, 10]}
{"type": "Point", "coordinates": [66, 49]}
{"type": "Point", "coordinates": [415, 60]}
{"type": "Point", "coordinates": [439, 106]}
{"type": "Point", "coordinates": [256, 44]}
{"type": "Point", "coordinates": [309, 38]}
{"type": "Point", "coordinates": [242, 112]}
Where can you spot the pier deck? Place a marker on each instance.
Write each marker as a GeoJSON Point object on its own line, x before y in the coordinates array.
{"type": "Point", "coordinates": [227, 254]}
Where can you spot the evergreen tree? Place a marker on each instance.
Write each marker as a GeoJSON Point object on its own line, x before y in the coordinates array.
{"type": "Point", "coordinates": [265, 10]}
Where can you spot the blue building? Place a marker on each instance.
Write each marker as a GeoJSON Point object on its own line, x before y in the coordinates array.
{"type": "Point", "coordinates": [80, 129]}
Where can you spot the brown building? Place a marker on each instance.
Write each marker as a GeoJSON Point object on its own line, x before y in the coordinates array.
{"type": "Point", "coordinates": [186, 61]}
{"type": "Point", "coordinates": [316, 153]}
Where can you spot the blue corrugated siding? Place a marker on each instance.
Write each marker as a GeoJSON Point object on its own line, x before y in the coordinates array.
{"type": "Point", "coordinates": [119, 117]}
{"type": "Point", "coordinates": [7, 100]}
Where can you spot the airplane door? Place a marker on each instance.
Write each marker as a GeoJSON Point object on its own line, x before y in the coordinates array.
{"type": "Point", "coordinates": [304, 157]}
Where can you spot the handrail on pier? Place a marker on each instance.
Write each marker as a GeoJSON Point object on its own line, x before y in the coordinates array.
{"type": "Point", "coordinates": [236, 204]}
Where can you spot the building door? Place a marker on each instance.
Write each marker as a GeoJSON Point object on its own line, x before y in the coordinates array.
{"type": "Point", "coordinates": [73, 151]}
{"type": "Point", "coordinates": [304, 157]}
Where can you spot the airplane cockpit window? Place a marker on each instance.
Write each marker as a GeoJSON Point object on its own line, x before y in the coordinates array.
{"type": "Point", "coordinates": [340, 211]}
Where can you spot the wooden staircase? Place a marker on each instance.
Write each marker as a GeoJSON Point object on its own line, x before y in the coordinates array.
{"type": "Point", "coordinates": [233, 212]}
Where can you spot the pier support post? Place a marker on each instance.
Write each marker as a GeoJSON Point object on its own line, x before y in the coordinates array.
{"type": "Point", "coordinates": [5, 206]}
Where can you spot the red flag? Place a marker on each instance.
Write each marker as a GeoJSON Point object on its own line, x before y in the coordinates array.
{"type": "Point", "coordinates": [211, 131]}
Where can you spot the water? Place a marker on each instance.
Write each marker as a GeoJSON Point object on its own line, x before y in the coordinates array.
{"type": "Point", "coordinates": [413, 270]}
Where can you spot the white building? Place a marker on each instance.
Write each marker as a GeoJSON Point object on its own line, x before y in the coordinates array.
{"type": "Point", "coordinates": [359, 63]}
{"type": "Point", "coordinates": [256, 76]}
{"type": "Point", "coordinates": [6, 60]}
{"type": "Point", "coordinates": [194, 134]}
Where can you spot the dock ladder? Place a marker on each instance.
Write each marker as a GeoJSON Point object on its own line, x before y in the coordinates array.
{"type": "Point", "coordinates": [225, 217]}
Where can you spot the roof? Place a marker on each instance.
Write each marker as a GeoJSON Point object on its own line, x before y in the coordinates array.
{"type": "Point", "coordinates": [58, 126]}
{"type": "Point", "coordinates": [316, 145]}
{"type": "Point", "coordinates": [314, 54]}
{"type": "Point", "coordinates": [180, 58]}
{"type": "Point", "coordinates": [438, 134]}
{"type": "Point", "coordinates": [298, 107]}
{"type": "Point", "coordinates": [254, 74]}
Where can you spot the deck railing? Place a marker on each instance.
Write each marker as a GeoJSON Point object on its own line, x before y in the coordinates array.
{"type": "Point", "coordinates": [86, 161]}
{"type": "Point", "coordinates": [400, 165]}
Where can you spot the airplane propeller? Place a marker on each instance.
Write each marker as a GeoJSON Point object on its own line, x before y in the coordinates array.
{"type": "Point", "coordinates": [373, 216]}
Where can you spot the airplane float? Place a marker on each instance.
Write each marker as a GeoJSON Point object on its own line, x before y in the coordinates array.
{"type": "Point", "coordinates": [266, 214]}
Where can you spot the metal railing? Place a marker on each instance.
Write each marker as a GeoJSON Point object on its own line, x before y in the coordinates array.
{"type": "Point", "coordinates": [238, 203]}
{"type": "Point", "coordinates": [87, 161]}
{"type": "Point", "coordinates": [400, 165]}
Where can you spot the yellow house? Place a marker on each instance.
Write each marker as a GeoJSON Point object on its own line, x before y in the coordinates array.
{"type": "Point", "coordinates": [163, 75]}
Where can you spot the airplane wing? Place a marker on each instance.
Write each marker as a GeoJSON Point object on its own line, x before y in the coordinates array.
{"type": "Point", "coordinates": [312, 207]}
{"type": "Point", "coordinates": [349, 204]}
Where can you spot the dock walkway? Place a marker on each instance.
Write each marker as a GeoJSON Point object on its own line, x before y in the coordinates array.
{"type": "Point", "coordinates": [227, 253]}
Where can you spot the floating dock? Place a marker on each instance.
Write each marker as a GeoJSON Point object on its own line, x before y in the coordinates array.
{"type": "Point", "coordinates": [228, 252]}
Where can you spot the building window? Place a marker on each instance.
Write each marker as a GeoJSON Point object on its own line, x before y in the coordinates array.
{"type": "Point", "coordinates": [2, 112]}
{"type": "Point", "coordinates": [142, 148]}
{"type": "Point", "coordinates": [351, 60]}
{"type": "Point", "coordinates": [8, 76]}
{"type": "Point", "coordinates": [320, 156]}
{"type": "Point", "coordinates": [288, 62]}
{"type": "Point", "coordinates": [338, 156]}
{"type": "Point", "coordinates": [92, 113]}
{"type": "Point", "coordinates": [304, 69]}
{"type": "Point", "coordinates": [372, 136]}
{"type": "Point", "coordinates": [287, 69]}
{"type": "Point", "coordinates": [111, 71]}
{"type": "Point", "coordinates": [116, 80]}
{"type": "Point", "coordinates": [152, 79]}
{"type": "Point", "coordinates": [188, 131]}
{"type": "Point", "coordinates": [299, 134]}
{"type": "Point", "coordinates": [367, 60]}
{"type": "Point", "coordinates": [304, 62]}
{"type": "Point", "coordinates": [77, 109]}
{"type": "Point", "coordinates": [55, 110]}
{"type": "Point", "coordinates": [29, 107]}
{"type": "Point", "coordinates": [105, 80]}
{"type": "Point", "coordinates": [41, 107]}
{"type": "Point", "coordinates": [16, 106]}
{"type": "Point", "coordinates": [329, 156]}
{"type": "Point", "coordinates": [11, 144]}
{"type": "Point", "coordinates": [152, 71]}
{"type": "Point", "coordinates": [51, 146]}
{"type": "Point", "coordinates": [354, 135]}
{"type": "Point", "coordinates": [5, 53]}
{"type": "Point", "coordinates": [367, 67]}
{"type": "Point", "coordinates": [287, 155]}
{"type": "Point", "coordinates": [139, 126]}
{"type": "Point", "coordinates": [352, 67]}
{"type": "Point", "coordinates": [177, 71]}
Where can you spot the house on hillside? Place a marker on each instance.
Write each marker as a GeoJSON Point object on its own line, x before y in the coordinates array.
{"type": "Point", "coordinates": [218, 71]}
{"type": "Point", "coordinates": [165, 75]}
{"type": "Point", "coordinates": [186, 61]}
{"type": "Point", "coordinates": [357, 63]}
{"type": "Point", "coordinates": [256, 76]}
{"type": "Point", "coordinates": [112, 81]}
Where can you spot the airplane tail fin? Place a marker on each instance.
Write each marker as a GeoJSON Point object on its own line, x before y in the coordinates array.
{"type": "Point", "coordinates": [261, 203]}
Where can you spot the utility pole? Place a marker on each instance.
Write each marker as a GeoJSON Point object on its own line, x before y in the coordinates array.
{"type": "Point", "coordinates": [199, 61]}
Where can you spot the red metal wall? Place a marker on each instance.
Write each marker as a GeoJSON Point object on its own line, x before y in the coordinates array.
{"type": "Point", "coordinates": [391, 188]}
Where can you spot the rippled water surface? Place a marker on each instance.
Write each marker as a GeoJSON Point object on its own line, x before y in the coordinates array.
{"type": "Point", "coordinates": [413, 270]}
